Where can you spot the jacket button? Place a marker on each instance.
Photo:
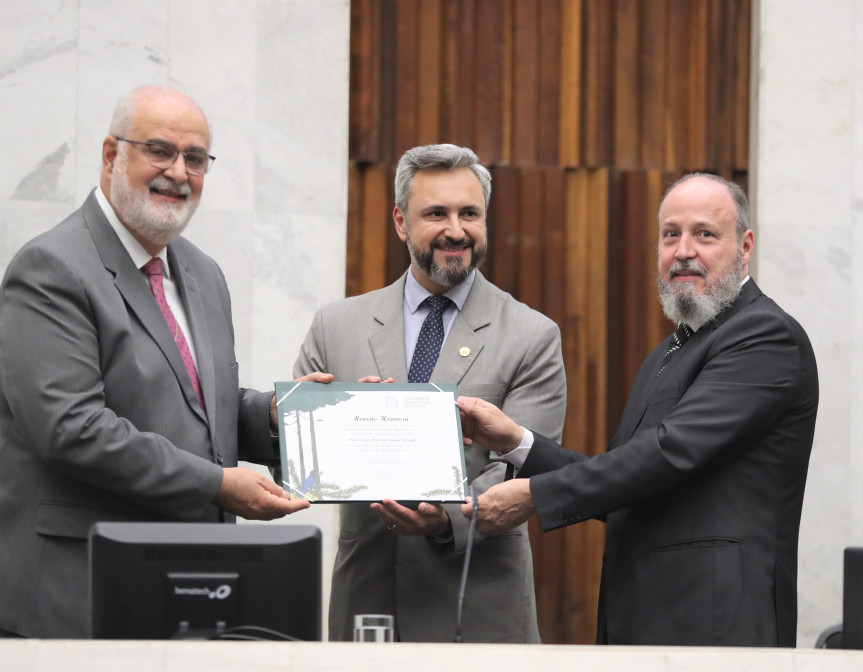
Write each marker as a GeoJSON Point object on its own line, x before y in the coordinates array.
{"type": "Point", "coordinates": [219, 458]}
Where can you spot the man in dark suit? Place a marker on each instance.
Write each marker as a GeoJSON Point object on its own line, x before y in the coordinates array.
{"type": "Point", "coordinates": [702, 485]}
{"type": "Point", "coordinates": [119, 396]}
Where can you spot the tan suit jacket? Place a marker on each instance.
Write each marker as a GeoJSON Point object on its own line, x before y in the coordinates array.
{"type": "Point", "coordinates": [514, 362]}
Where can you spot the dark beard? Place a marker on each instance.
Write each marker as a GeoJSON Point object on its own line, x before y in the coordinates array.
{"type": "Point", "coordinates": [453, 273]}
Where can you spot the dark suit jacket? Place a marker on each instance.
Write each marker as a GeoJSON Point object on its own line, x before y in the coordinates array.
{"type": "Point", "coordinates": [98, 417]}
{"type": "Point", "coordinates": [701, 487]}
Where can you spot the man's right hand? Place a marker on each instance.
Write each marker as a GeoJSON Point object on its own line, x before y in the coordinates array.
{"type": "Point", "coordinates": [486, 424]}
{"type": "Point", "coordinates": [253, 496]}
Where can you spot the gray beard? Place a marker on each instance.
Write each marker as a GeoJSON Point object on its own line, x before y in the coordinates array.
{"type": "Point", "coordinates": [453, 273]}
{"type": "Point", "coordinates": [157, 223]}
{"type": "Point", "coordinates": [680, 303]}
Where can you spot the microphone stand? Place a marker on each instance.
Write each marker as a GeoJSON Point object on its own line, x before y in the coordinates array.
{"type": "Point", "coordinates": [470, 534]}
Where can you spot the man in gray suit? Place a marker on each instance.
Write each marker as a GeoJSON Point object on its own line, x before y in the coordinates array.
{"type": "Point", "coordinates": [119, 396]}
{"type": "Point", "coordinates": [403, 561]}
{"type": "Point", "coordinates": [702, 485]}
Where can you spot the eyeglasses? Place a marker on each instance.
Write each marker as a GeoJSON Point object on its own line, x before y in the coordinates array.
{"type": "Point", "coordinates": [162, 155]}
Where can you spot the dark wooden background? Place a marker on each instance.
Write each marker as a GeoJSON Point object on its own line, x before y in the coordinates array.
{"type": "Point", "coordinates": [585, 111]}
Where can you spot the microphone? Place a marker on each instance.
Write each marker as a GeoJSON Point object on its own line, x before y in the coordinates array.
{"type": "Point", "coordinates": [469, 547]}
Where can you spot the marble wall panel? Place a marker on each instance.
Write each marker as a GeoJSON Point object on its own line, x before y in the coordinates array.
{"type": "Point", "coordinates": [807, 164]}
{"type": "Point", "coordinates": [272, 76]}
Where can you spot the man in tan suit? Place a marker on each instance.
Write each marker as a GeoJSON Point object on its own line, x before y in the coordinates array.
{"type": "Point", "coordinates": [403, 561]}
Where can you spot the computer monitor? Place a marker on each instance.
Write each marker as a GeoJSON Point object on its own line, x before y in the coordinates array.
{"type": "Point", "coordinates": [852, 599]}
{"type": "Point", "coordinates": [205, 581]}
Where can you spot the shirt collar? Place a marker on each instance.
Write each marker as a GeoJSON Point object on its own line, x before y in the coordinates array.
{"type": "Point", "coordinates": [139, 255]}
{"type": "Point", "coordinates": [415, 293]}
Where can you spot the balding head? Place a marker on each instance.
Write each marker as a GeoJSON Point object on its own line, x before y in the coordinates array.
{"type": "Point", "coordinates": [153, 196]}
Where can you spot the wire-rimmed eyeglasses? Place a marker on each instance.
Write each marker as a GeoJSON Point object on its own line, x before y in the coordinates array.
{"type": "Point", "coordinates": [163, 155]}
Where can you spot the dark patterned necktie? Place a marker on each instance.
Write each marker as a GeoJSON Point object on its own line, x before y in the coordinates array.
{"type": "Point", "coordinates": [153, 268]}
{"type": "Point", "coordinates": [678, 338]}
{"type": "Point", "coordinates": [430, 340]}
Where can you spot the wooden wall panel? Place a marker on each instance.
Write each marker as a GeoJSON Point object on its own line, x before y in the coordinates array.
{"type": "Point", "coordinates": [585, 111]}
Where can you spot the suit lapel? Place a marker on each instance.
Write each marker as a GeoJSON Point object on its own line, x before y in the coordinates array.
{"type": "Point", "coordinates": [651, 383]}
{"type": "Point", "coordinates": [463, 345]}
{"type": "Point", "coordinates": [136, 293]}
{"type": "Point", "coordinates": [460, 349]}
{"type": "Point", "coordinates": [388, 342]}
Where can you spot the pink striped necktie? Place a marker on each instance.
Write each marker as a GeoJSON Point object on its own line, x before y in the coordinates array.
{"type": "Point", "coordinates": [153, 268]}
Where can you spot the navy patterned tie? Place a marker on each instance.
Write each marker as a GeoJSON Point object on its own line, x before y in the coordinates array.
{"type": "Point", "coordinates": [678, 338]}
{"type": "Point", "coordinates": [430, 340]}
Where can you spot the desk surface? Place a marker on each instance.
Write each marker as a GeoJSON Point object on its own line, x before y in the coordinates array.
{"type": "Point", "coordinates": [160, 656]}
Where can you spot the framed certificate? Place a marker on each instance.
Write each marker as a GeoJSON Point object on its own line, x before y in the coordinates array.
{"type": "Point", "coordinates": [364, 442]}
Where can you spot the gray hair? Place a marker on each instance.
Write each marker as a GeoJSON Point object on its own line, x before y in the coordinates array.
{"type": "Point", "coordinates": [124, 111]}
{"type": "Point", "coordinates": [741, 204]}
{"type": "Point", "coordinates": [446, 157]}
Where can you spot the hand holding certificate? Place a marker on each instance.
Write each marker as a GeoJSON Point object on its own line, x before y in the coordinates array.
{"type": "Point", "coordinates": [361, 442]}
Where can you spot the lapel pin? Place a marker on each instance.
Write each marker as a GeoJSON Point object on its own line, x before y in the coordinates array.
{"type": "Point", "coordinates": [464, 351]}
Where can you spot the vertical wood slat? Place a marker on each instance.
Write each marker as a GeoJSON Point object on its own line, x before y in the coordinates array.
{"type": "Point", "coordinates": [718, 94]}
{"type": "Point", "coordinates": [548, 99]}
{"type": "Point", "coordinates": [490, 56]}
{"type": "Point", "coordinates": [677, 69]}
{"type": "Point", "coordinates": [429, 79]}
{"type": "Point", "coordinates": [554, 259]}
{"type": "Point", "coordinates": [570, 83]}
{"type": "Point", "coordinates": [741, 64]}
{"type": "Point", "coordinates": [697, 86]}
{"type": "Point", "coordinates": [457, 97]}
{"type": "Point", "coordinates": [355, 231]}
{"type": "Point", "coordinates": [504, 230]}
{"type": "Point", "coordinates": [406, 112]}
{"type": "Point", "coordinates": [529, 236]}
{"type": "Point", "coordinates": [365, 55]}
{"type": "Point", "coordinates": [525, 83]}
{"type": "Point", "coordinates": [627, 97]}
{"type": "Point", "coordinates": [507, 10]}
{"type": "Point", "coordinates": [388, 58]}
{"type": "Point", "coordinates": [653, 124]}
{"type": "Point", "coordinates": [598, 100]}
{"type": "Point", "coordinates": [374, 235]}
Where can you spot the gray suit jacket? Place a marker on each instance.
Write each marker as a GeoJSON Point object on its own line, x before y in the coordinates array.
{"type": "Point", "coordinates": [515, 362]}
{"type": "Point", "coordinates": [702, 486]}
{"type": "Point", "coordinates": [98, 417]}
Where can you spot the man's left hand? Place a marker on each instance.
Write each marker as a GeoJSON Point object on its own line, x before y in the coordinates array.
{"type": "Point", "coordinates": [503, 506]}
{"type": "Point", "coordinates": [428, 519]}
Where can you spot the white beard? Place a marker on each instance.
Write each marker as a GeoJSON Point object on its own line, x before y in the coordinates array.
{"type": "Point", "coordinates": [158, 223]}
{"type": "Point", "coordinates": [681, 303]}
